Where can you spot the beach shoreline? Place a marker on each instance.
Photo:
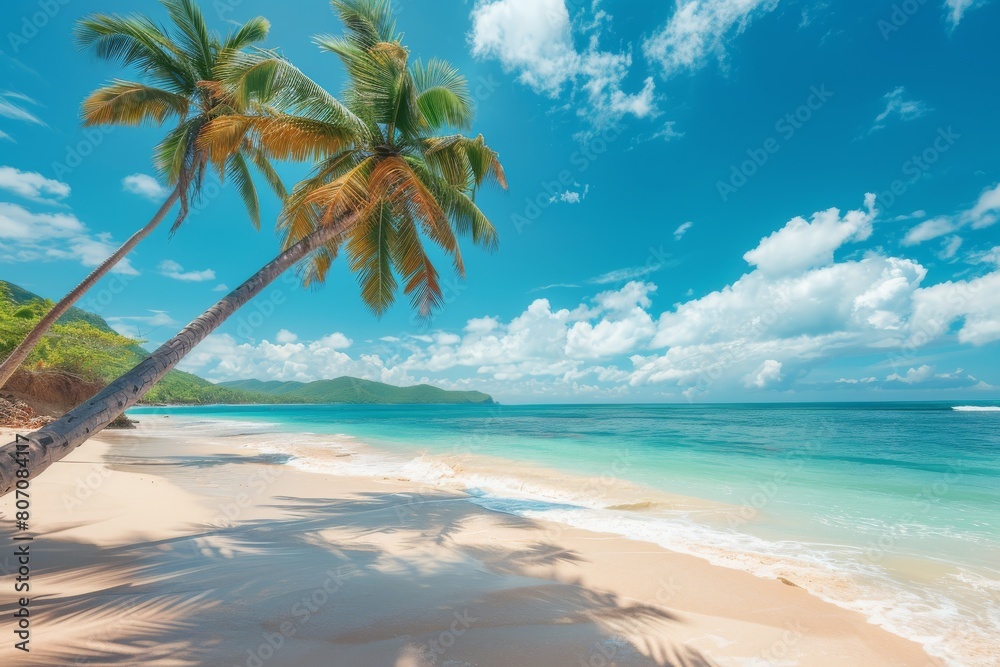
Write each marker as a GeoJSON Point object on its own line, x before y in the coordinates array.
{"type": "Point", "coordinates": [180, 548]}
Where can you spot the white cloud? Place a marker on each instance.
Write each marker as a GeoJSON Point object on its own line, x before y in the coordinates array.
{"type": "Point", "coordinates": [801, 245]}
{"type": "Point", "coordinates": [11, 107]}
{"type": "Point", "coordinates": [916, 215]}
{"type": "Point", "coordinates": [956, 9]}
{"type": "Point", "coordinates": [898, 106]}
{"type": "Point", "coordinates": [172, 269]}
{"type": "Point", "coordinates": [93, 252]}
{"type": "Point", "coordinates": [930, 229]}
{"type": "Point", "coordinates": [951, 247]}
{"type": "Point", "coordinates": [625, 325]}
{"type": "Point", "coordinates": [682, 230]}
{"type": "Point", "coordinates": [145, 186]}
{"type": "Point", "coordinates": [913, 376]}
{"type": "Point", "coordinates": [17, 223]}
{"type": "Point", "coordinates": [37, 237]}
{"type": "Point", "coordinates": [698, 30]}
{"type": "Point", "coordinates": [5, 137]}
{"type": "Point", "coordinates": [767, 375]}
{"type": "Point", "coordinates": [32, 185]}
{"type": "Point", "coordinates": [779, 326]}
{"type": "Point", "coordinates": [570, 196]}
{"type": "Point", "coordinates": [984, 213]}
{"type": "Point", "coordinates": [285, 336]}
{"type": "Point", "coordinates": [221, 357]}
{"type": "Point", "coordinates": [975, 303]}
{"type": "Point", "coordinates": [991, 256]}
{"type": "Point", "coordinates": [626, 274]}
{"type": "Point", "coordinates": [857, 303]}
{"type": "Point", "coordinates": [138, 326]}
{"type": "Point", "coordinates": [544, 288]}
{"type": "Point", "coordinates": [221, 287]}
{"type": "Point", "coordinates": [535, 39]}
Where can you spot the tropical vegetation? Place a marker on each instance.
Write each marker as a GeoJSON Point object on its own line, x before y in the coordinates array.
{"type": "Point", "coordinates": [83, 346]}
{"type": "Point", "coordinates": [386, 179]}
{"type": "Point", "coordinates": [178, 68]}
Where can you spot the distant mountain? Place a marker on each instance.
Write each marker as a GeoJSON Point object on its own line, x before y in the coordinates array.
{"type": "Point", "coordinates": [73, 352]}
{"type": "Point", "coordinates": [359, 392]}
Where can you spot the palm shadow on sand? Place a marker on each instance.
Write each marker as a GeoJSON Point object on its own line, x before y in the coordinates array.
{"type": "Point", "coordinates": [350, 582]}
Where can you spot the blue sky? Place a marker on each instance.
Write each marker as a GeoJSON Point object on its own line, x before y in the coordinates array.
{"type": "Point", "coordinates": [689, 214]}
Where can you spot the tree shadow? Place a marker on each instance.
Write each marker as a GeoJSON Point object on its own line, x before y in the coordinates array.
{"type": "Point", "coordinates": [336, 581]}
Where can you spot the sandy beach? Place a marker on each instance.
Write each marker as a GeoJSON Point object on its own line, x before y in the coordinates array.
{"type": "Point", "coordinates": [161, 549]}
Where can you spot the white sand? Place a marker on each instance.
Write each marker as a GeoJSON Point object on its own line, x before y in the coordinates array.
{"type": "Point", "coordinates": [180, 551]}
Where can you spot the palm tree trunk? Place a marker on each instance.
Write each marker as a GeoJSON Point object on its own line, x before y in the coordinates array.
{"type": "Point", "coordinates": [21, 352]}
{"type": "Point", "coordinates": [44, 447]}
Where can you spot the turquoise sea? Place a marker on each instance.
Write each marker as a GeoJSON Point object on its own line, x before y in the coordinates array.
{"type": "Point", "coordinates": [892, 509]}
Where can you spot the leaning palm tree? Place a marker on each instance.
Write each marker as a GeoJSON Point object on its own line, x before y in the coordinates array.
{"type": "Point", "coordinates": [179, 67]}
{"type": "Point", "coordinates": [379, 197]}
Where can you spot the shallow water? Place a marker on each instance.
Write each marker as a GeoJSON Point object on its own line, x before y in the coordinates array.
{"type": "Point", "coordinates": [890, 509]}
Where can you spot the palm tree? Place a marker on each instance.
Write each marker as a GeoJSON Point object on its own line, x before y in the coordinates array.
{"type": "Point", "coordinates": [179, 67]}
{"type": "Point", "coordinates": [378, 196]}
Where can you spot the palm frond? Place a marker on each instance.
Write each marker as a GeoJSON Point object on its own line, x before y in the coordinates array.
{"type": "Point", "coordinates": [269, 80]}
{"type": "Point", "coordinates": [173, 156]}
{"type": "Point", "coordinates": [239, 175]}
{"type": "Point", "coordinates": [422, 282]}
{"type": "Point", "coordinates": [130, 103]}
{"type": "Point", "coordinates": [266, 169]}
{"type": "Point", "coordinates": [443, 95]}
{"type": "Point", "coordinates": [369, 251]}
{"type": "Point", "coordinates": [196, 40]}
{"type": "Point", "coordinates": [367, 21]}
{"type": "Point", "coordinates": [279, 137]}
{"type": "Point", "coordinates": [253, 31]}
{"type": "Point", "coordinates": [336, 192]}
{"type": "Point", "coordinates": [136, 41]}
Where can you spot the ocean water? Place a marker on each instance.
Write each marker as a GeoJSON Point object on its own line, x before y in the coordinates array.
{"type": "Point", "coordinates": [889, 509]}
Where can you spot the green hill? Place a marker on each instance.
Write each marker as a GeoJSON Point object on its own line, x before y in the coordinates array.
{"type": "Point", "coordinates": [84, 346]}
{"type": "Point", "coordinates": [22, 297]}
{"type": "Point", "coordinates": [356, 391]}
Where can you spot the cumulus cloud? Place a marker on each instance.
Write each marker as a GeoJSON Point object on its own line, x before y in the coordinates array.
{"type": "Point", "coordinates": [222, 357]}
{"type": "Point", "coordinates": [285, 336]}
{"type": "Point", "coordinates": [624, 326]}
{"type": "Point", "coordinates": [172, 269]}
{"type": "Point", "coordinates": [899, 107]}
{"type": "Point", "coordinates": [32, 185]}
{"type": "Point", "coordinates": [535, 39]}
{"type": "Point", "coordinates": [145, 186]}
{"type": "Point", "coordinates": [26, 236]}
{"type": "Point", "coordinates": [767, 375]}
{"type": "Point", "coordinates": [975, 303]}
{"type": "Point", "coordinates": [912, 376]}
{"type": "Point", "coordinates": [698, 29]}
{"type": "Point", "coordinates": [803, 245]}
{"type": "Point", "coordinates": [770, 329]}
